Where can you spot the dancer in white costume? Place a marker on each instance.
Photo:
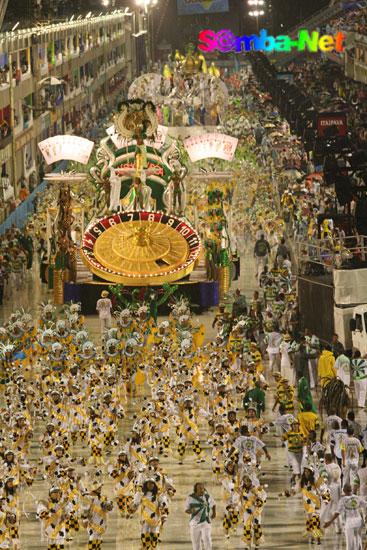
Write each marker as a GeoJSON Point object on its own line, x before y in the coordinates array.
{"type": "Point", "coordinates": [115, 182]}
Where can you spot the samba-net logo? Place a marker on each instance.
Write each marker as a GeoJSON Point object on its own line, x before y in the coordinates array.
{"type": "Point", "coordinates": [225, 41]}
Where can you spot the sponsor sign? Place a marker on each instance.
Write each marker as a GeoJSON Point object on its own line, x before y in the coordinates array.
{"type": "Point", "coordinates": [191, 7]}
{"type": "Point", "coordinates": [331, 124]}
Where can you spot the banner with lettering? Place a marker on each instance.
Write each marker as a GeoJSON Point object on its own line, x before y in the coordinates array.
{"type": "Point", "coordinates": [331, 124]}
{"type": "Point", "coordinates": [191, 7]}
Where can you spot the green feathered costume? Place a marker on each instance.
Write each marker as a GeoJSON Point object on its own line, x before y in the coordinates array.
{"type": "Point", "coordinates": [304, 395]}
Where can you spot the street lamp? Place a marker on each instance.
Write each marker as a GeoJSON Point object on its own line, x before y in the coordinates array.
{"type": "Point", "coordinates": [257, 11]}
{"type": "Point", "coordinates": [148, 5]}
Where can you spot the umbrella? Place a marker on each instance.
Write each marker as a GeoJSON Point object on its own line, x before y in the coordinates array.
{"type": "Point", "coordinates": [315, 175]}
{"type": "Point", "coordinates": [338, 100]}
{"type": "Point", "coordinates": [292, 173]}
{"type": "Point", "coordinates": [280, 146]}
{"type": "Point", "coordinates": [51, 80]}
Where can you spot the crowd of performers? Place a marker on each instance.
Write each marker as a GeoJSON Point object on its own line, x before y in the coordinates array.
{"type": "Point", "coordinates": [63, 395]}
{"type": "Point", "coordinates": [64, 428]}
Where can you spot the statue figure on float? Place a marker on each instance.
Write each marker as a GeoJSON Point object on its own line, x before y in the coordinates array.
{"type": "Point", "coordinates": [139, 198]}
{"type": "Point", "coordinates": [115, 183]}
{"type": "Point", "coordinates": [175, 194]}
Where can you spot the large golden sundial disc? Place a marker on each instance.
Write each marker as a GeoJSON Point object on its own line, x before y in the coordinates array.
{"type": "Point", "coordinates": [140, 248]}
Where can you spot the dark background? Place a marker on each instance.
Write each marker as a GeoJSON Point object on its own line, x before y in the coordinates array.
{"type": "Point", "coordinates": [174, 29]}
{"type": "Point", "coordinates": [313, 291]}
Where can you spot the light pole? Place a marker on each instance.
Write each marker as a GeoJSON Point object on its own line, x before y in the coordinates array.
{"type": "Point", "coordinates": [257, 12]}
{"type": "Point", "coordinates": [147, 6]}
{"type": "Point", "coordinates": [12, 122]}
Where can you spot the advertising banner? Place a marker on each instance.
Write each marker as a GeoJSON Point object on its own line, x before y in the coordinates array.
{"type": "Point", "coordinates": [288, 77]}
{"type": "Point", "coordinates": [211, 145]}
{"type": "Point", "coordinates": [192, 7]}
{"type": "Point", "coordinates": [23, 139]}
{"type": "Point", "coordinates": [66, 147]}
{"type": "Point", "coordinates": [331, 124]}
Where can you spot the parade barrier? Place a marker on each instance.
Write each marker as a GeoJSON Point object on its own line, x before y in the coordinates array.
{"type": "Point", "coordinates": [326, 255]}
{"type": "Point", "coordinates": [202, 294]}
{"type": "Point", "coordinates": [21, 214]}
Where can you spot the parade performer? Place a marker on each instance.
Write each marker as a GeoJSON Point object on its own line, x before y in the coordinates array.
{"type": "Point", "coordinates": [87, 356]}
{"type": "Point", "coordinates": [11, 506]}
{"type": "Point", "coordinates": [7, 363]}
{"type": "Point", "coordinates": [78, 417]}
{"type": "Point", "coordinates": [350, 507]}
{"type": "Point", "coordinates": [220, 442]}
{"type": "Point", "coordinates": [124, 475]}
{"type": "Point", "coordinates": [202, 509]}
{"type": "Point", "coordinates": [112, 353]}
{"type": "Point", "coordinates": [253, 498]}
{"type": "Point", "coordinates": [231, 496]}
{"type": "Point", "coordinates": [296, 442]}
{"type": "Point", "coordinates": [48, 318]}
{"type": "Point", "coordinates": [54, 512]}
{"type": "Point", "coordinates": [44, 343]}
{"type": "Point", "coordinates": [94, 514]}
{"type": "Point", "coordinates": [125, 324]}
{"type": "Point", "coordinates": [57, 359]}
{"type": "Point", "coordinates": [6, 521]}
{"type": "Point", "coordinates": [73, 489]}
{"type": "Point", "coordinates": [111, 411]}
{"type": "Point", "coordinates": [153, 512]}
{"type": "Point", "coordinates": [132, 361]}
{"type": "Point", "coordinates": [95, 436]}
{"type": "Point", "coordinates": [104, 309]}
{"type": "Point", "coordinates": [188, 429]}
{"type": "Point", "coordinates": [311, 498]}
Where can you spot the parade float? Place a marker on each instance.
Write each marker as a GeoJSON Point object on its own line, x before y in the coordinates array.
{"type": "Point", "coordinates": [187, 93]}
{"type": "Point", "coordinates": [141, 230]}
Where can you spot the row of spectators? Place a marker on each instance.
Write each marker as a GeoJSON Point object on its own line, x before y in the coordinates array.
{"type": "Point", "coordinates": [354, 19]}
{"type": "Point", "coordinates": [332, 91]}
{"type": "Point", "coordinates": [303, 197]}
{"type": "Point", "coordinates": [86, 125]}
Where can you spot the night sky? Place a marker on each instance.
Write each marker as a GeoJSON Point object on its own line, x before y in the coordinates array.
{"type": "Point", "coordinates": [293, 12]}
{"type": "Point", "coordinates": [177, 30]}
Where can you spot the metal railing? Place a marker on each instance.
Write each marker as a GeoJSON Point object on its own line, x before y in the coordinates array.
{"type": "Point", "coordinates": [324, 255]}
{"type": "Point", "coordinates": [3, 7]}
{"type": "Point", "coordinates": [318, 19]}
{"type": "Point", "coordinates": [20, 38]}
